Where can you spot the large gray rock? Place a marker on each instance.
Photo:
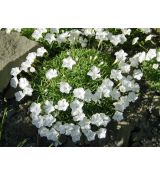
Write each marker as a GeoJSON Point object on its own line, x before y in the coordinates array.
{"type": "Point", "coordinates": [13, 50]}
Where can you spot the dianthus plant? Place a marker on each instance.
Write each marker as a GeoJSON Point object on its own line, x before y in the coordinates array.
{"type": "Point", "coordinates": [80, 89]}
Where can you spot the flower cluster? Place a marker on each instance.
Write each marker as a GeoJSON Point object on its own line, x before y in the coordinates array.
{"type": "Point", "coordinates": [77, 87]}
{"type": "Point", "coordinates": [119, 86]}
{"type": "Point", "coordinates": [75, 36]}
{"type": "Point", "coordinates": [26, 66]}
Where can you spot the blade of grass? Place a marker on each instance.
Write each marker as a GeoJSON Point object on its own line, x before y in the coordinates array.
{"type": "Point", "coordinates": [21, 144]}
{"type": "Point", "coordinates": [4, 116]}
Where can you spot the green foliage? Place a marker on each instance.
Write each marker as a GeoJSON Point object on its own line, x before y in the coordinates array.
{"type": "Point", "coordinates": [152, 76]}
{"type": "Point", "coordinates": [27, 32]}
{"type": "Point", "coordinates": [77, 77]}
{"type": "Point", "coordinates": [45, 89]}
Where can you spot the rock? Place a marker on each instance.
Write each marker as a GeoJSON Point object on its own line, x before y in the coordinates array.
{"type": "Point", "coordinates": [13, 50]}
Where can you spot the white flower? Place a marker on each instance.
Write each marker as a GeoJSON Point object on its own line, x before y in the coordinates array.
{"type": "Point", "coordinates": [120, 56]}
{"type": "Point", "coordinates": [126, 84]}
{"type": "Point", "coordinates": [35, 108]}
{"type": "Point", "coordinates": [89, 32]}
{"type": "Point", "coordinates": [122, 88]}
{"type": "Point", "coordinates": [62, 105]}
{"type": "Point", "coordinates": [108, 83]}
{"type": "Point", "coordinates": [145, 30]}
{"type": "Point", "coordinates": [137, 74]}
{"type": "Point", "coordinates": [79, 117]}
{"type": "Point", "coordinates": [102, 35]}
{"type": "Point", "coordinates": [28, 90]}
{"type": "Point", "coordinates": [151, 54]}
{"type": "Point", "coordinates": [68, 128]}
{"type": "Point", "coordinates": [149, 37]}
{"type": "Point", "coordinates": [73, 36]}
{"type": "Point", "coordinates": [89, 134]}
{"type": "Point", "coordinates": [59, 127]}
{"type": "Point", "coordinates": [100, 119]}
{"type": "Point", "coordinates": [43, 131]}
{"type": "Point", "coordinates": [134, 61]}
{"type": "Point", "coordinates": [97, 96]}
{"type": "Point", "coordinates": [68, 63]}
{"type": "Point", "coordinates": [122, 38]}
{"type": "Point", "coordinates": [62, 37]}
{"type": "Point", "coordinates": [76, 138]}
{"type": "Point", "coordinates": [129, 78]}
{"type": "Point", "coordinates": [79, 93]}
{"type": "Point", "coordinates": [155, 66]}
{"type": "Point", "coordinates": [96, 119]}
{"type": "Point", "coordinates": [52, 135]}
{"type": "Point", "coordinates": [135, 87]}
{"type": "Point", "coordinates": [85, 123]}
{"type": "Point", "coordinates": [54, 30]}
{"type": "Point", "coordinates": [94, 73]}
{"type": "Point", "coordinates": [14, 82]}
{"type": "Point", "coordinates": [76, 133]}
{"type": "Point", "coordinates": [105, 88]}
{"type": "Point", "coordinates": [50, 38]}
{"type": "Point", "coordinates": [158, 56]}
{"type": "Point", "coordinates": [119, 106]}
{"type": "Point", "coordinates": [19, 95]}
{"type": "Point", "coordinates": [135, 40]}
{"type": "Point", "coordinates": [23, 83]}
{"type": "Point", "coordinates": [37, 35]}
{"type": "Point", "coordinates": [122, 104]}
{"type": "Point", "coordinates": [38, 121]}
{"type": "Point", "coordinates": [32, 69]}
{"type": "Point", "coordinates": [125, 68]}
{"type": "Point", "coordinates": [115, 94]}
{"type": "Point", "coordinates": [116, 74]}
{"type": "Point", "coordinates": [83, 42]}
{"type": "Point", "coordinates": [31, 57]}
{"type": "Point", "coordinates": [48, 120]}
{"type": "Point", "coordinates": [65, 87]}
{"type": "Point", "coordinates": [42, 30]}
{"type": "Point", "coordinates": [141, 56]}
{"type": "Point", "coordinates": [106, 119]}
{"type": "Point", "coordinates": [118, 116]}
{"type": "Point", "coordinates": [102, 90]}
{"type": "Point", "coordinates": [126, 31]}
{"type": "Point", "coordinates": [48, 107]}
{"type": "Point", "coordinates": [41, 51]}
{"type": "Point", "coordinates": [101, 133]}
{"type": "Point", "coordinates": [25, 65]}
{"type": "Point", "coordinates": [88, 95]}
{"type": "Point", "coordinates": [115, 39]}
{"type": "Point", "coordinates": [51, 73]}
{"type": "Point", "coordinates": [132, 97]}
{"type": "Point", "coordinates": [15, 71]}
{"type": "Point", "coordinates": [76, 107]}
